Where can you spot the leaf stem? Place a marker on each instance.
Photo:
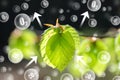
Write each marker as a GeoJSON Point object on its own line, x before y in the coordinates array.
{"type": "Point", "coordinates": [56, 26]}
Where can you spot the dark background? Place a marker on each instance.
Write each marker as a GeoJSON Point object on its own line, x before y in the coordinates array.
{"type": "Point", "coordinates": [50, 16]}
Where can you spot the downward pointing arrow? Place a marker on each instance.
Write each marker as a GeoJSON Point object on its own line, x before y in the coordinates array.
{"type": "Point", "coordinates": [36, 16]}
{"type": "Point", "coordinates": [34, 59]}
{"type": "Point", "coordinates": [85, 15]}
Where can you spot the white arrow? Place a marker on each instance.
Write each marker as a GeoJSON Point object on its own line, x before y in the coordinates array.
{"type": "Point", "coordinates": [36, 16]}
{"type": "Point", "coordinates": [34, 59]}
{"type": "Point", "coordinates": [80, 58]}
{"type": "Point", "coordinates": [85, 15]}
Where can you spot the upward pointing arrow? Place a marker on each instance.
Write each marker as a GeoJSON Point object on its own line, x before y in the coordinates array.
{"type": "Point", "coordinates": [80, 58]}
{"type": "Point", "coordinates": [36, 16]}
{"type": "Point", "coordinates": [34, 59]}
{"type": "Point", "coordinates": [85, 15]}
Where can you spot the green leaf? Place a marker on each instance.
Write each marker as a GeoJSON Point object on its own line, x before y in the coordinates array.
{"type": "Point", "coordinates": [101, 45]}
{"type": "Point", "coordinates": [25, 41]}
{"type": "Point", "coordinates": [75, 36]}
{"type": "Point", "coordinates": [117, 40]}
{"type": "Point", "coordinates": [58, 48]}
{"type": "Point", "coordinates": [117, 43]}
{"type": "Point", "coordinates": [84, 46]}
